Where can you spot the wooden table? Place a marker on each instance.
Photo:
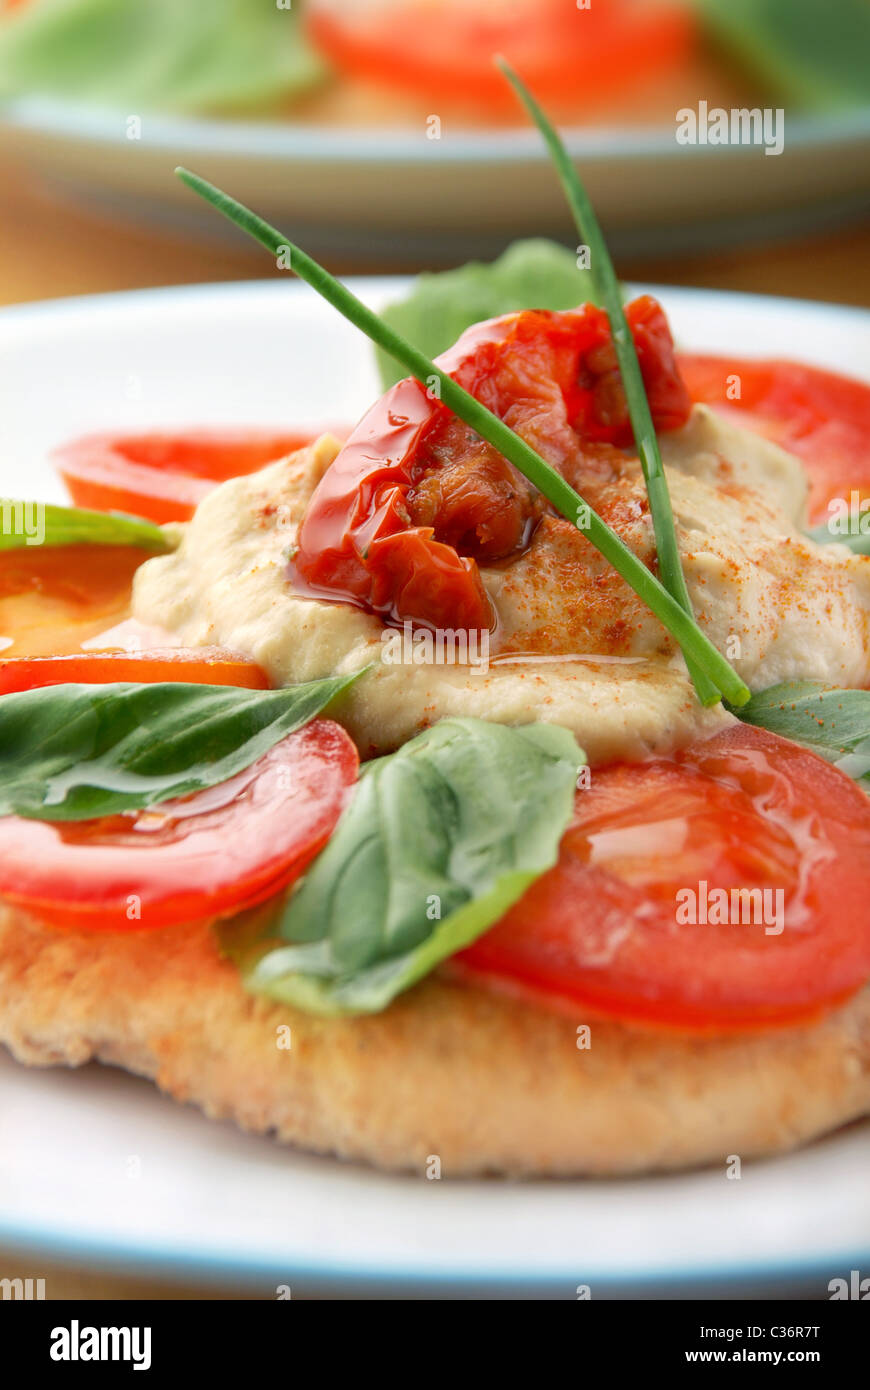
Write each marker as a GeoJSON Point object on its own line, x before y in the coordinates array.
{"type": "Point", "coordinates": [47, 251]}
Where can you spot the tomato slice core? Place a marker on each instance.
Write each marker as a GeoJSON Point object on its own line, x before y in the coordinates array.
{"type": "Point", "coordinates": [747, 828]}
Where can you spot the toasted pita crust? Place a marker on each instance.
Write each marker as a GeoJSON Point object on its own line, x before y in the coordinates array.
{"type": "Point", "coordinates": [487, 1083]}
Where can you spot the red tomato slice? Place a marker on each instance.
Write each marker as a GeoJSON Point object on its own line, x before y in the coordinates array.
{"type": "Point", "coordinates": [54, 598]}
{"type": "Point", "coordinates": [744, 810]}
{"type": "Point", "coordinates": [164, 477]}
{"type": "Point", "coordinates": [446, 50]}
{"type": "Point", "coordinates": [208, 855]}
{"type": "Point", "coordinates": [415, 498]}
{"type": "Point", "coordinates": [198, 666]}
{"type": "Point", "coordinates": [822, 417]}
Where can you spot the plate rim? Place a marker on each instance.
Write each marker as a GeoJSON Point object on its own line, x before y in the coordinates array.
{"type": "Point", "coordinates": [67, 120]}
{"type": "Point", "coordinates": [228, 1265]}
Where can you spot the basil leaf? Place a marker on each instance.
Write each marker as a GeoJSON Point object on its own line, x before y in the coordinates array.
{"type": "Point", "coordinates": [856, 540]}
{"type": "Point", "coordinates": [158, 54]}
{"type": "Point", "coordinates": [24, 524]}
{"type": "Point", "coordinates": [533, 274]}
{"type": "Point", "coordinates": [440, 839]}
{"type": "Point", "coordinates": [73, 752]}
{"type": "Point", "coordinates": [817, 57]}
{"type": "Point", "coordinates": [833, 723]}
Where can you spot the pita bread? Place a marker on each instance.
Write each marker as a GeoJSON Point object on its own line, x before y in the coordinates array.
{"type": "Point", "coordinates": [485, 1082]}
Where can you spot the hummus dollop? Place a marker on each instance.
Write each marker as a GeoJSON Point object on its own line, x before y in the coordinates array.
{"type": "Point", "coordinates": [572, 645]}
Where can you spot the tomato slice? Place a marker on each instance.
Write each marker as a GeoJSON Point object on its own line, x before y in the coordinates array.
{"type": "Point", "coordinates": [54, 598]}
{"type": "Point", "coordinates": [744, 810]}
{"type": "Point", "coordinates": [415, 498]}
{"type": "Point", "coordinates": [198, 666]}
{"type": "Point", "coordinates": [821, 416]}
{"type": "Point", "coordinates": [445, 50]}
{"type": "Point", "coordinates": [208, 855]}
{"type": "Point", "coordinates": [165, 476]}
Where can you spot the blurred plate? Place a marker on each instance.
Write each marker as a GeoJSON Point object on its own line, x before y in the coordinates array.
{"type": "Point", "coordinates": [97, 1168]}
{"type": "Point", "coordinates": [374, 194]}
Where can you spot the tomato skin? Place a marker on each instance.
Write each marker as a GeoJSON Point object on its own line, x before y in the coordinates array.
{"type": "Point", "coordinates": [359, 542]}
{"type": "Point", "coordinates": [565, 55]}
{"type": "Point", "coordinates": [197, 665]}
{"type": "Point", "coordinates": [209, 855]}
{"type": "Point", "coordinates": [820, 416]}
{"type": "Point", "coordinates": [164, 477]}
{"type": "Point", "coordinates": [412, 575]}
{"type": "Point", "coordinates": [744, 809]}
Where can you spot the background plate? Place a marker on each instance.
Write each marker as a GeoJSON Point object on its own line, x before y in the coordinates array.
{"type": "Point", "coordinates": [97, 1168]}
{"type": "Point", "coordinates": [368, 195]}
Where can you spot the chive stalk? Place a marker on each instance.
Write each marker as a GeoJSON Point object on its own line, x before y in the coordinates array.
{"type": "Point", "coordinates": [680, 623]}
{"type": "Point", "coordinates": [610, 297]}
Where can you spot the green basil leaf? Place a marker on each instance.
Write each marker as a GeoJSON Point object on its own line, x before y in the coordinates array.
{"type": "Point", "coordinates": [440, 839]}
{"type": "Point", "coordinates": [73, 752]}
{"type": "Point", "coordinates": [817, 56]}
{"type": "Point", "coordinates": [533, 274]}
{"type": "Point", "coordinates": [156, 55]}
{"type": "Point", "coordinates": [855, 539]}
{"type": "Point", "coordinates": [833, 723]}
{"type": "Point", "coordinates": [24, 524]}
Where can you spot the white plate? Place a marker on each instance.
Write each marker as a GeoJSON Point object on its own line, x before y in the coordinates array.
{"type": "Point", "coordinates": [370, 194]}
{"type": "Point", "coordinates": [98, 1168]}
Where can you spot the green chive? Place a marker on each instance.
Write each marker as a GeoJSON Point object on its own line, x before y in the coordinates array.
{"type": "Point", "coordinates": [610, 297]}
{"type": "Point", "coordinates": [569, 503]}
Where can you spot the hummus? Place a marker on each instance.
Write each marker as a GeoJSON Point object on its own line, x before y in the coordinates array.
{"type": "Point", "coordinates": [573, 644]}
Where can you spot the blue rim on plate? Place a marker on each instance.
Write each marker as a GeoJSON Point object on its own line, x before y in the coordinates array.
{"type": "Point", "coordinates": [232, 1267]}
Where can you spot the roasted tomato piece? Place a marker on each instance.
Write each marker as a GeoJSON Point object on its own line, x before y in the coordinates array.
{"type": "Point", "coordinates": [472, 497]}
{"type": "Point", "coordinates": [415, 499]}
